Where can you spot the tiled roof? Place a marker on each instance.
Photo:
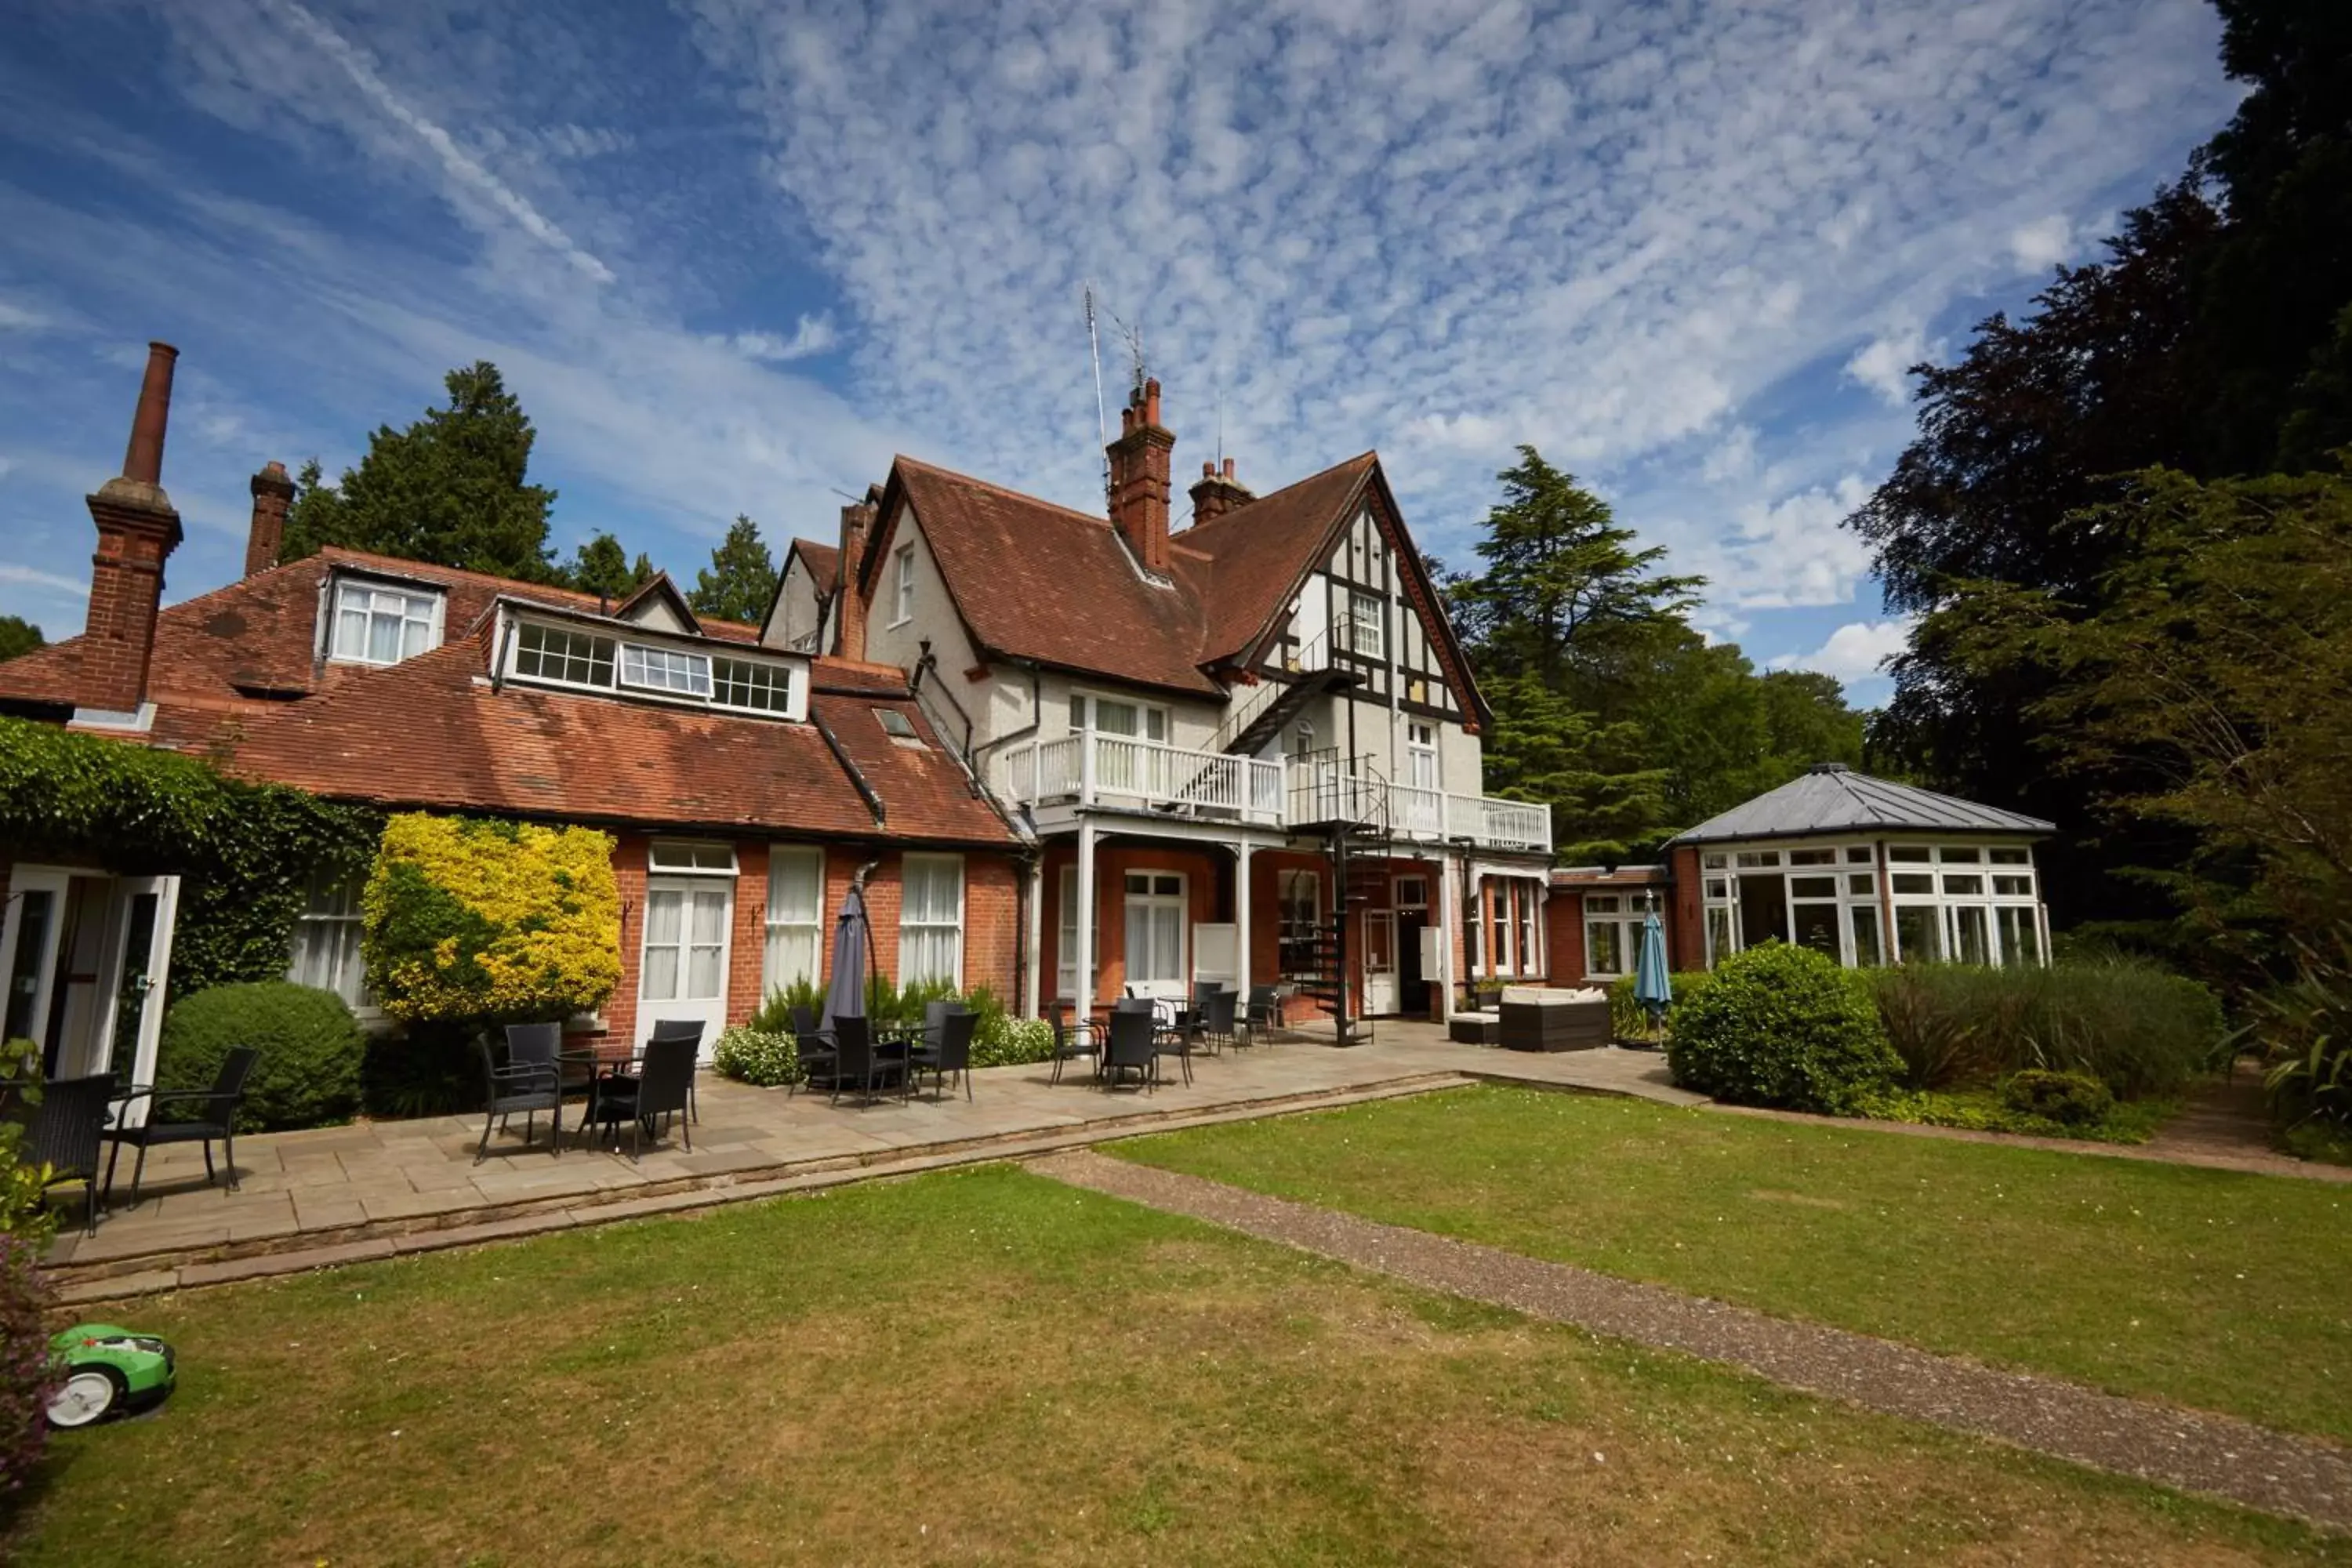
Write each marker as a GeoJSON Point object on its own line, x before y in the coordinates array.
{"type": "Point", "coordinates": [1831, 798]}
{"type": "Point", "coordinates": [823, 561]}
{"type": "Point", "coordinates": [433, 732]}
{"type": "Point", "coordinates": [1036, 581]}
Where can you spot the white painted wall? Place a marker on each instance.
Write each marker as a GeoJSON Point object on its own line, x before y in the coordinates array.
{"type": "Point", "coordinates": [799, 613]}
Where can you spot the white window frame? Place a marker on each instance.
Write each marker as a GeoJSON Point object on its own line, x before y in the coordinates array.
{"type": "Point", "coordinates": [907, 864]}
{"type": "Point", "coordinates": [902, 603]}
{"type": "Point", "coordinates": [1916, 856]}
{"type": "Point", "coordinates": [433, 601]}
{"type": "Point", "coordinates": [782, 927]}
{"type": "Point", "coordinates": [1153, 723]}
{"type": "Point", "coordinates": [1364, 629]}
{"type": "Point", "coordinates": [1420, 745]}
{"type": "Point", "coordinates": [332, 915]}
{"type": "Point", "coordinates": [789, 679]}
{"type": "Point", "coordinates": [689, 858]}
{"type": "Point", "coordinates": [612, 660]}
{"type": "Point", "coordinates": [671, 660]}
{"type": "Point", "coordinates": [1154, 901]}
{"type": "Point", "coordinates": [1620, 914]}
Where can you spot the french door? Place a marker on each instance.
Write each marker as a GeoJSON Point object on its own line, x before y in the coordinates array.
{"type": "Point", "coordinates": [138, 949]}
{"type": "Point", "coordinates": [682, 972]}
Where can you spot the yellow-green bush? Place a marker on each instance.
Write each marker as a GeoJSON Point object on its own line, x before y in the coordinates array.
{"type": "Point", "coordinates": [476, 919]}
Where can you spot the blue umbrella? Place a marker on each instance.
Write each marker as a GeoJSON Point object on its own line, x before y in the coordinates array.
{"type": "Point", "coordinates": [1651, 987]}
{"type": "Point", "coordinates": [845, 997]}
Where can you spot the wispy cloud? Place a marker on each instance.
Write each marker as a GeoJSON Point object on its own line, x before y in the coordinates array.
{"type": "Point", "coordinates": [813, 335]}
{"type": "Point", "coordinates": [54, 582]}
{"type": "Point", "coordinates": [1856, 651]}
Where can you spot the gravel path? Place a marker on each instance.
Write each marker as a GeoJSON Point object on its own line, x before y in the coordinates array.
{"type": "Point", "coordinates": [2194, 1450]}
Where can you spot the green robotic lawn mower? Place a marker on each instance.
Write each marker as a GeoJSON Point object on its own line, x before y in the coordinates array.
{"type": "Point", "coordinates": [108, 1371]}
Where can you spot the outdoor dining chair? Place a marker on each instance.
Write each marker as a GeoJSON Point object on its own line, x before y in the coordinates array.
{"type": "Point", "coordinates": [1072, 1040]}
{"type": "Point", "coordinates": [1218, 1027]}
{"type": "Point", "coordinates": [530, 1084]}
{"type": "Point", "coordinates": [812, 1048]}
{"type": "Point", "coordinates": [1130, 1047]}
{"type": "Point", "coordinates": [856, 1062]}
{"type": "Point", "coordinates": [948, 1051]}
{"type": "Point", "coordinates": [1264, 1013]}
{"type": "Point", "coordinates": [659, 1087]}
{"type": "Point", "coordinates": [683, 1029]}
{"type": "Point", "coordinates": [216, 1120]}
{"type": "Point", "coordinates": [64, 1136]}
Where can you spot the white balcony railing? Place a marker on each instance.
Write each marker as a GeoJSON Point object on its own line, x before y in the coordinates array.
{"type": "Point", "coordinates": [1122, 774]}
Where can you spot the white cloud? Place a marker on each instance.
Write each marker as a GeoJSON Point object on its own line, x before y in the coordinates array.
{"type": "Point", "coordinates": [33, 577]}
{"type": "Point", "coordinates": [1788, 553]}
{"type": "Point", "coordinates": [1884, 364]}
{"type": "Point", "coordinates": [2042, 244]}
{"type": "Point", "coordinates": [1856, 651]}
{"type": "Point", "coordinates": [811, 335]}
{"type": "Point", "coordinates": [20, 318]}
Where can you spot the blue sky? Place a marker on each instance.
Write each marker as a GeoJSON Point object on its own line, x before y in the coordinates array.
{"type": "Point", "coordinates": [733, 255]}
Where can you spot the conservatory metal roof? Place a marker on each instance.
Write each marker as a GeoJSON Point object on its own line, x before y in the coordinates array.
{"type": "Point", "coordinates": [1830, 797]}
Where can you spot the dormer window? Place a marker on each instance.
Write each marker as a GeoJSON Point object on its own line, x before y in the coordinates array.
{"type": "Point", "coordinates": [379, 624]}
{"type": "Point", "coordinates": [553, 655]}
{"type": "Point", "coordinates": [666, 669]}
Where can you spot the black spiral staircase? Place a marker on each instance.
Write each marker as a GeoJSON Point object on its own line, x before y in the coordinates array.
{"type": "Point", "coordinates": [1358, 843]}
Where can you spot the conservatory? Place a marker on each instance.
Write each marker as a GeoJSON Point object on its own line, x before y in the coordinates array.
{"type": "Point", "coordinates": [1867, 871]}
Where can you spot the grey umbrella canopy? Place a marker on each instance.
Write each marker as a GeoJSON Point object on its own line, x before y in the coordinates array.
{"type": "Point", "coordinates": [845, 997]}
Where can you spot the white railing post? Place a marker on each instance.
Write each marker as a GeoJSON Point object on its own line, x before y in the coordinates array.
{"type": "Point", "coordinates": [1085, 767]}
{"type": "Point", "coordinates": [1036, 770]}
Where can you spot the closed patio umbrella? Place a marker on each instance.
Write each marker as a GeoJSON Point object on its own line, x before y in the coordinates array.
{"type": "Point", "coordinates": [1651, 987]}
{"type": "Point", "coordinates": [845, 997]}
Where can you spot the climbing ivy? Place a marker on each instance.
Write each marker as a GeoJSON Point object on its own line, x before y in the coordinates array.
{"type": "Point", "coordinates": [245, 852]}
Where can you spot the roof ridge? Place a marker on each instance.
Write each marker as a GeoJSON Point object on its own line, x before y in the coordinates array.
{"type": "Point", "coordinates": [981, 484]}
{"type": "Point", "coordinates": [1370, 454]}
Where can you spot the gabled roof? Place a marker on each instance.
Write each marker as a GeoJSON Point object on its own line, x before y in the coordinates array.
{"type": "Point", "coordinates": [659, 590]}
{"type": "Point", "coordinates": [1035, 581]}
{"type": "Point", "coordinates": [823, 563]}
{"type": "Point", "coordinates": [1830, 797]}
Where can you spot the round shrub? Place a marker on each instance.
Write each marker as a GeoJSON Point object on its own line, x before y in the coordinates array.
{"type": "Point", "coordinates": [28, 1371]}
{"type": "Point", "coordinates": [751, 1055]}
{"type": "Point", "coordinates": [1782, 1025]}
{"type": "Point", "coordinates": [2070, 1099]}
{"type": "Point", "coordinates": [310, 1045]}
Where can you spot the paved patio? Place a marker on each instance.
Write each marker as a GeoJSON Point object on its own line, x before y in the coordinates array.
{"type": "Point", "coordinates": [305, 1190]}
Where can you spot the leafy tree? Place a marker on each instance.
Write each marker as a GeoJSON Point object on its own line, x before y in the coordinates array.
{"type": "Point", "coordinates": [449, 490]}
{"type": "Point", "coordinates": [601, 566]}
{"type": "Point", "coordinates": [1563, 586]}
{"type": "Point", "coordinates": [741, 578]}
{"type": "Point", "coordinates": [1604, 806]}
{"type": "Point", "coordinates": [20, 636]}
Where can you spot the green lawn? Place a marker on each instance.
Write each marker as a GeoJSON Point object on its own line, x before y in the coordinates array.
{"type": "Point", "coordinates": [984, 1366]}
{"type": "Point", "coordinates": [2226, 1291]}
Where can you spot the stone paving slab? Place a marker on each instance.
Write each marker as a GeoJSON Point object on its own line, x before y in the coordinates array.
{"type": "Point", "coordinates": [2194, 1450]}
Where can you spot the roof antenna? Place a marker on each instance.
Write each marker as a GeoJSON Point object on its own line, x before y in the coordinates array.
{"type": "Point", "coordinates": [1102, 420]}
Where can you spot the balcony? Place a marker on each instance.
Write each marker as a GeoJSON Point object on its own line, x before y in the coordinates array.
{"type": "Point", "coordinates": [1095, 771]}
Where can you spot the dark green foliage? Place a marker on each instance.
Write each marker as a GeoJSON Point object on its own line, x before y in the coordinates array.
{"type": "Point", "coordinates": [2138, 1028]}
{"type": "Point", "coordinates": [28, 1374]}
{"type": "Point", "coordinates": [428, 1069]}
{"type": "Point", "coordinates": [748, 1054]}
{"type": "Point", "coordinates": [741, 578]}
{"type": "Point", "coordinates": [448, 489]}
{"type": "Point", "coordinates": [248, 852]}
{"type": "Point", "coordinates": [310, 1045]}
{"type": "Point", "coordinates": [1982, 1108]}
{"type": "Point", "coordinates": [1629, 1020]}
{"type": "Point", "coordinates": [775, 1015]}
{"type": "Point", "coordinates": [20, 636]}
{"type": "Point", "coordinates": [602, 567]}
{"type": "Point", "coordinates": [1782, 1025]}
{"type": "Point", "coordinates": [2070, 1099]}
{"type": "Point", "coordinates": [2306, 1028]}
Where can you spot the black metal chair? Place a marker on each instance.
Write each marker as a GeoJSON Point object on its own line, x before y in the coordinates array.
{"type": "Point", "coordinates": [218, 1120]}
{"type": "Point", "coordinates": [1196, 1017]}
{"type": "Point", "coordinates": [948, 1051]}
{"type": "Point", "coordinates": [812, 1044]}
{"type": "Point", "coordinates": [1217, 1028]}
{"type": "Point", "coordinates": [1175, 1040]}
{"type": "Point", "coordinates": [1264, 1013]}
{"type": "Point", "coordinates": [660, 1087]}
{"type": "Point", "coordinates": [683, 1029]}
{"type": "Point", "coordinates": [856, 1062]}
{"type": "Point", "coordinates": [1131, 1045]}
{"type": "Point", "coordinates": [1072, 1040]}
{"type": "Point", "coordinates": [64, 1135]}
{"type": "Point", "coordinates": [529, 1083]}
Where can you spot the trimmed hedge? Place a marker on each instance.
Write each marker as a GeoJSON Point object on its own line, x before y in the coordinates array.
{"type": "Point", "coordinates": [311, 1048]}
{"type": "Point", "coordinates": [491, 922]}
{"type": "Point", "coordinates": [2138, 1028]}
{"type": "Point", "coordinates": [1782, 1025]}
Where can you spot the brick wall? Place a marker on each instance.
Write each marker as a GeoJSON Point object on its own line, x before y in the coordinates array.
{"type": "Point", "coordinates": [1208, 894]}
{"type": "Point", "coordinates": [1686, 924]}
{"type": "Point", "coordinates": [1565, 916]}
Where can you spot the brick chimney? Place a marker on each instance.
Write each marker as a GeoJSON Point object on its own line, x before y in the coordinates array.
{"type": "Point", "coordinates": [136, 529]}
{"type": "Point", "coordinates": [856, 528]}
{"type": "Point", "coordinates": [1139, 480]}
{"type": "Point", "coordinates": [1218, 493]}
{"type": "Point", "coordinates": [272, 493]}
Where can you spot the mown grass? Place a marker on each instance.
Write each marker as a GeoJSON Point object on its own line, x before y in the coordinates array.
{"type": "Point", "coordinates": [986, 1367]}
{"type": "Point", "coordinates": [2207, 1287]}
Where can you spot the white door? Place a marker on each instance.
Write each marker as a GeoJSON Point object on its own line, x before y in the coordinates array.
{"type": "Point", "coordinates": [138, 962]}
{"type": "Point", "coordinates": [1156, 912]}
{"type": "Point", "coordinates": [1379, 962]}
{"type": "Point", "coordinates": [29, 934]}
{"type": "Point", "coordinates": [682, 972]}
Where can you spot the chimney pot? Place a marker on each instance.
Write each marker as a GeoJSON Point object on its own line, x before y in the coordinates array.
{"type": "Point", "coordinates": [1229, 467]}
{"type": "Point", "coordinates": [1217, 492]}
{"type": "Point", "coordinates": [137, 532]}
{"type": "Point", "coordinates": [1151, 402]}
{"type": "Point", "coordinates": [143, 460]}
{"type": "Point", "coordinates": [1140, 479]}
{"type": "Point", "coordinates": [272, 493]}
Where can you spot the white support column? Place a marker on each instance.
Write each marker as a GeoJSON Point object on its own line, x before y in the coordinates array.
{"type": "Point", "coordinates": [1449, 926]}
{"type": "Point", "coordinates": [1034, 979]}
{"type": "Point", "coordinates": [1086, 965]}
{"type": "Point", "coordinates": [1241, 922]}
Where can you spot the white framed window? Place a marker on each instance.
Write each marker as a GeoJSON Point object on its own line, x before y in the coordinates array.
{"type": "Point", "coordinates": [1474, 930]}
{"type": "Point", "coordinates": [666, 669]}
{"type": "Point", "coordinates": [1421, 754]}
{"type": "Point", "coordinates": [931, 918]}
{"type": "Point", "coordinates": [1156, 910]}
{"type": "Point", "coordinates": [379, 624]}
{"type": "Point", "coordinates": [1612, 934]}
{"type": "Point", "coordinates": [679, 856]}
{"type": "Point", "coordinates": [551, 653]}
{"type": "Point", "coordinates": [1367, 624]}
{"type": "Point", "coordinates": [1531, 960]}
{"type": "Point", "coordinates": [1502, 916]}
{"type": "Point", "coordinates": [795, 947]}
{"type": "Point", "coordinates": [902, 603]}
{"type": "Point", "coordinates": [685, 953]}
{"type": "Point", "coordinates": [1119, 716]}
{"type": "Point", "coordinates": [750, 683]}
{"type": "Point", "coordinates": [326, 946]}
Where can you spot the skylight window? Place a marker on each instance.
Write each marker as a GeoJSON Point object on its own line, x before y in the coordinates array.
{"type": "Point", "coordinates": [895, 726]}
